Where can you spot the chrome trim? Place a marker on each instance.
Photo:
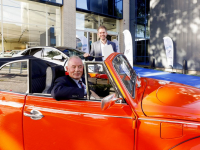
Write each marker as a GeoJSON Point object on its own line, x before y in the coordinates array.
{"type": "Point", "coordinates": [28, 75]}
{"type": "Point", "coordinates": [106, 115]}
{"type": "Point", "coordinates": [34, 114]}
{"type": "Point", "coordinates": [182, 122]}
{"type": "Point", "coordinates": [13, 92]}
{"type": "Point", "coordinates": [85, 100]}
{"type": "Point", "coordinates": [13, 62]}
{"type": "Point", "coordinates": [23, 60]}
{"type": "Point", "coordinates": [72, 112]}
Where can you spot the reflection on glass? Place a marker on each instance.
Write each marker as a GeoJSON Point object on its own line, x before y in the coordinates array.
{"type": "Point", "coordinates": [141, 8]}
{"type": "Point", "coordinates": [53, 16]}
{"type": "Point", "coordinates": [25, 24]}
{"type": "Point", "coordinates": [12, 11]}
{"type": "Point", "coordinates": [140, 31]}
{"type": "Point", "coordinates": [49, 53]}
{"type": "Point", "coordinates": [111, 8]}
{"type": "Point", "coordinates": [119, 8]}
{"type": "Point", "coordinates": [126, 73]}
{"type": "Point", "coordinates": [142, 51]}
{"type": "Point", "coordinates": [98, 82]}
{"type": "Point", "coordinates": [83, 4]}
{"type": "Point", "coordinates": [86, 21]}
{"type": "Point", "coordinates": [109, 23]}
{"type": "Point", "coordinates": [108, 7]}
{"type": "Point", "coordinates": [96, 6]}
{"type": "Point", "coordinates": [13, 76]}
{"type": "Point", "coordinates": [55, 1]}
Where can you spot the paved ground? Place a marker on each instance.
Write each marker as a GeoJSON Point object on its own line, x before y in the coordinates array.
{"type": "Point", "coordinates": [174, 77]}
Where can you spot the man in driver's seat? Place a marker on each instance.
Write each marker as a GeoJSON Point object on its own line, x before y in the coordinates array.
{"type": "Point", "coordinates": [72, 85]}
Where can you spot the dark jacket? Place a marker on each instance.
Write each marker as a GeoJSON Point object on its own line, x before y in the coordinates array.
{"type": "Point", "coordinates": [66, 88]}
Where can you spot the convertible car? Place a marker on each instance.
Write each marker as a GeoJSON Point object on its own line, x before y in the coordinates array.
{"type": "Point", "coordinates": [122, 111]}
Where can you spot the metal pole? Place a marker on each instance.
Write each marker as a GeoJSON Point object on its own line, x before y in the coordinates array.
{"type": "Point", "coordinates": [20, 67]}
{"type": "Point", "coordinates": [47, 44]}
{"type": "Point", "coordinates": [184, 70]}
{"type": "Point", "coordinates": [2, 44]}
{"type": "Point", "coordinates": [88, 41]}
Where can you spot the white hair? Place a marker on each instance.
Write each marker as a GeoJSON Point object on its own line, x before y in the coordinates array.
{"type": "Point", "coordinates": [72, 58]}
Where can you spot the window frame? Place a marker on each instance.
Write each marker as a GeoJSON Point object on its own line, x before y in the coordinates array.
{"type": "Point", "coordinates": [116, 89]}
{"type": "Point", "coordinates": [24, 60]}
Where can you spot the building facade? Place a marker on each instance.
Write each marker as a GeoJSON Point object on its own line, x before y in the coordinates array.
{"type": "Point", "coordinates": [180, 21]}
{"type": "Point", "coordinates": [140, 31]}
{"type": "Point", "coordinates": [28, 23]}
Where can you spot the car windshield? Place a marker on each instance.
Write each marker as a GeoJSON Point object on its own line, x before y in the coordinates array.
{"type": "Point", "coordinates": [72, 52]}
{"type": "Point", "coordinates": [125, 72]}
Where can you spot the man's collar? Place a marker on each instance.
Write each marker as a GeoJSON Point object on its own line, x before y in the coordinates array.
{"type": "Point", "coordinates": [77, 80]}
{"type": "Point", "coordinates": [103, 42]}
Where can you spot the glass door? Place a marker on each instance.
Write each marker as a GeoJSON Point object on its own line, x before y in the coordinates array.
{"type": "Point", "coordinates": [142, 33]}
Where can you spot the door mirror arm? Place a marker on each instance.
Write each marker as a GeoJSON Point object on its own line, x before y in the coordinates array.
{"type": "Point", "coordinates": [108, 101]}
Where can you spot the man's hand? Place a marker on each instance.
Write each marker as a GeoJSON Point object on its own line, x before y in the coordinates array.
{"type": "Point", "coordinates": [86, 55]}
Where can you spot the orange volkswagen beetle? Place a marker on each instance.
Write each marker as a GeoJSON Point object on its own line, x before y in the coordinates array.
{"type": "Point", "coordinates": [125, 111]}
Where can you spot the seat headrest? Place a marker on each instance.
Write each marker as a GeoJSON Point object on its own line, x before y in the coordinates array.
{"type": "Point", "coordinates": [57, 71]}
{"type": "Point", "coordinates": [52, 73]}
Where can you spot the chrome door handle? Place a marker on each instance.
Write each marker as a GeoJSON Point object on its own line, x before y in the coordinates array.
{"type": "Point", "coordinates": [34, 114]}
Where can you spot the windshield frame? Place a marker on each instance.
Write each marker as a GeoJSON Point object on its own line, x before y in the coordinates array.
{"type": "Point", "coordinates": [127, 69]}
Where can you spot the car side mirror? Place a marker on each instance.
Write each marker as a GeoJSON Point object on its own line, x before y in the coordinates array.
{"type": "Point", "coordinates": [108, 101]}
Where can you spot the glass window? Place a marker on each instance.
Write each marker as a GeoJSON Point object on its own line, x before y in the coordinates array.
{"type": "Point", "coordinates": [34, 52]}
{"type": "Point", "coordinates": [99, 85]}
{"type": "Point", "coordinates": [53, 1]}
{"type": "Point", "coordinates": [13, 77]}
{"type": "Point", "coordinates": [142, 31]}
{"type": "Point", "coordinates": [29, 24]}
{"type": "Point", "coordinates": [119, 8]}
{"type": "Point", "coordinates": [73, 52]}
{"type": "Point", "coordinates": [111, 8]}
{"type": "Point", "coordinates": [126, 73]}
{"type": "Point", "coordinates": [49, 53]}
{"type": "Point", "coordinates": [83, 4]}
{"type": "Point", "coordinates": [86, 21]}
{"type": "Point", "coordinates": [141, 8]}
{"type": "Point", "coordinates": [53, 16]}
{"type": "Point", "coordinates": [109, 23]}
{"type": "Point", "coordinates": [108, 6]}
{"type": "Point", "coordinates": [96, 6]}
{"type": "Point", "coordinates": [92, 21]}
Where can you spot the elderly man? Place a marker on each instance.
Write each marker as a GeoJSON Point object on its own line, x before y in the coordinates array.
{"type": "Point", "coordinates": [97, 47]}
{"type": "Point", "coordinates": [70, 86]}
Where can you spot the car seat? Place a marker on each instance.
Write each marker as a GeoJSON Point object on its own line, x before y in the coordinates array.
{"type": "Point", "coordinates": [52, 73]}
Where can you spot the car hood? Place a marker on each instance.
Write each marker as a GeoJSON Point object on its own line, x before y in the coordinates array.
{"type": "Point", "coordinates": [171, 100]}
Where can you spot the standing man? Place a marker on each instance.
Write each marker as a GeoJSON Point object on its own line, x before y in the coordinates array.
{"type": "Point", "coordinates": [70, 86]}
{"type": "Point", "coordinates": [97, 47]}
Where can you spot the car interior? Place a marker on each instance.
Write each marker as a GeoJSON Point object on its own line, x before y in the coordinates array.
{"type": "Point", "coordinates": [44, 73]}
{"type": "Point", "coordinates": [42, 80]}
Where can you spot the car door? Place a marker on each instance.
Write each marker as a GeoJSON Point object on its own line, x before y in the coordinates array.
{"type": "Point", "coordinates": [13, 87]}
{"type": "Point", "coordinates": [77, 123]}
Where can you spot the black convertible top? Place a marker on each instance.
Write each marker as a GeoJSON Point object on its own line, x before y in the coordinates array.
{"type": "Point", "coordinates": [9, 59]}
{"type": "Point", "coordinates": [37, 70]}
{"type": "Point", "coordinates": [38, 66]}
